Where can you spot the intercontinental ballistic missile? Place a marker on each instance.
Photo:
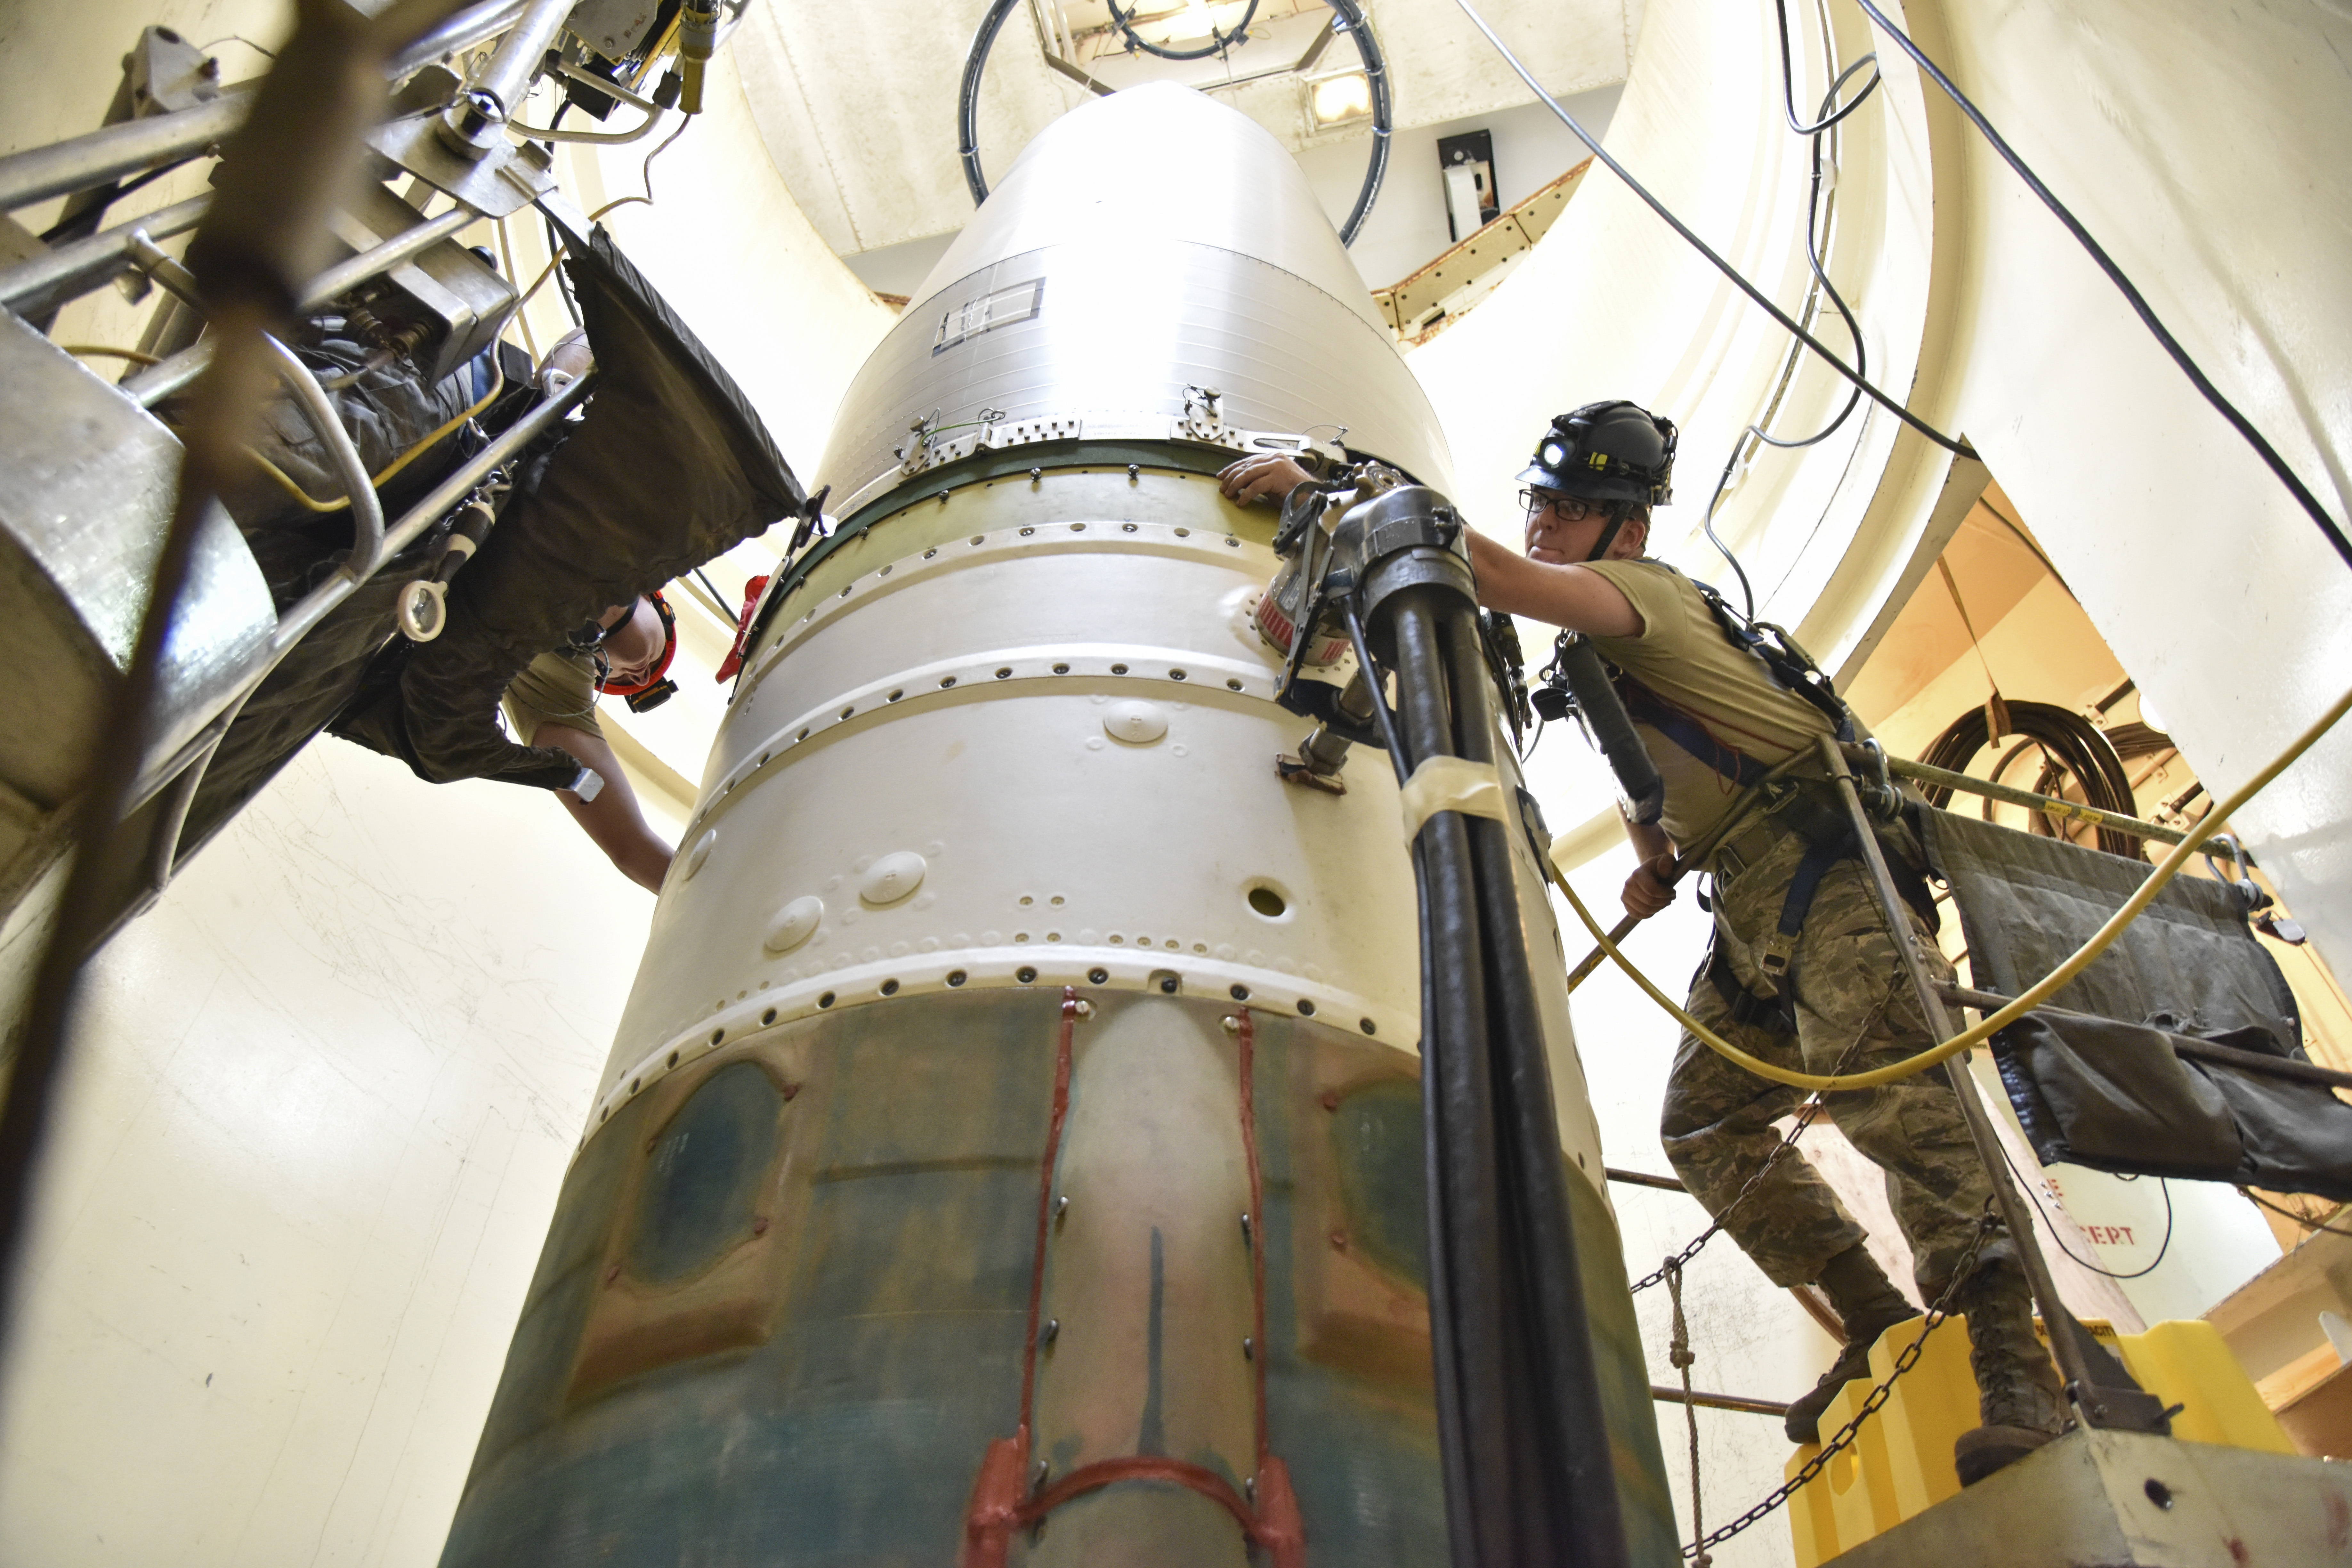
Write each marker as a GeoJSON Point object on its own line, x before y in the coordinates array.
{"type": "Point", "coordinates": [1013, 1150]}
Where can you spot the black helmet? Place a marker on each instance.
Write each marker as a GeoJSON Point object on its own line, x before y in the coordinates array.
{"type": "Point", "coordinates": [1607, 451]}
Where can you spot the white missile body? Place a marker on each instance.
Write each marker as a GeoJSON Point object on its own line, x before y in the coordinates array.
{"type": "Point", "coordinates": [1012, 1146]}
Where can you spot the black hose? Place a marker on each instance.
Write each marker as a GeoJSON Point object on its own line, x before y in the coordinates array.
{"type": "Point", "coordinates": [1217, 44]}
{"type": "Point", "coordinates": [1351, 21]}
{"type": "Point", "coordinates": [1465, 1211]}
{"type": "Point", "coordinates": [1578, 1485]}
{"type": "Point", "coordinates": [1821, 277]}
{"type": "Point", "coordinates": [2074, 745]}
{"type": "Point", "coordinates": [1789, 87]}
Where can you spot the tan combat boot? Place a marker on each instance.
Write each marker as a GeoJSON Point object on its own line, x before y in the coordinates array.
{"type": "Point", "coordinates": [2018, 1392]}
{"type": "Point", "coordinates": [1867, 1306]}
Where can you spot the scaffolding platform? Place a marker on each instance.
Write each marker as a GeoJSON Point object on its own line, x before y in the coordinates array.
{"type": "Point", "coordinates": [2098, 1498]}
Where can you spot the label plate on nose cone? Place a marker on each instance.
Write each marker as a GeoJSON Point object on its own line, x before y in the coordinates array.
{"type": "Point", "coordinates": [1002, 308]}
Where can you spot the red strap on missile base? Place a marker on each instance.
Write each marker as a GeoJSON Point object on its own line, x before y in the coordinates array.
{"type": "Point", "coordinates": [997, 1507]}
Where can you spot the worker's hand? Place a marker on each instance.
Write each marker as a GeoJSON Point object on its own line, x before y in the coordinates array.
{"type": "Point", "coordinates": [1269, 478]}
{"type": "Point", "coordinates": [1647, 891]}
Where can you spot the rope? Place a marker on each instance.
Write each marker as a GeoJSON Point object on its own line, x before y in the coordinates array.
{"type": "Point", "coordinates": [2034, 994]}
{"type": "Point", "coordinates": [1679, 1354]}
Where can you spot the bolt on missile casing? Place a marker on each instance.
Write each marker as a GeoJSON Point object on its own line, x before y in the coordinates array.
{"type": "Point", "coordinates": [996, 872]}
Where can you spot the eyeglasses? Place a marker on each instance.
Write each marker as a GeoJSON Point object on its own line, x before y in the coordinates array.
{"type": "Point", "coordinates": [1571, 509]}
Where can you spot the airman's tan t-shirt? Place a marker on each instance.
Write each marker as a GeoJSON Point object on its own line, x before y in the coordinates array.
{"type": "Point", "coordinates": [553, 689]}
{"type": "Point", "coordinates": [1682, 656]}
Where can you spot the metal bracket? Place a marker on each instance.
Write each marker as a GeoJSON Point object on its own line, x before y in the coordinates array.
{"type": "Point", "coordinates": [506, 179]}
{"type": "Point", "coordinates": [1319, 701]}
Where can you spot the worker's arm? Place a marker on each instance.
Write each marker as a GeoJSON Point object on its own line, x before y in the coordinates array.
{"type": "Point", "coordinates": [1564, 595]}
{"type": "Point", "coordinates": [1647, 891]}
{"type": "Point", "coordinates": [611, 820]}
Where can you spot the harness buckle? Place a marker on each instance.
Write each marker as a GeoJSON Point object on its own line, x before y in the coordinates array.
{"type": "Point", "coordinates": [1776, 954]}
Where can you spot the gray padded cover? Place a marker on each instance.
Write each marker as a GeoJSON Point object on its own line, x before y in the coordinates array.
{"type": "Point", "coordinates": [2109, 1091]}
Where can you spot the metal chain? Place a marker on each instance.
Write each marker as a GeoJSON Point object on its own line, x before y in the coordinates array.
{"type": "Point", "coordinates": [1987, 1226]}
{"type": "Point", "coordinates": [1805, 1114]}
{"type": "Point", "coordinates": [1679, 1354]}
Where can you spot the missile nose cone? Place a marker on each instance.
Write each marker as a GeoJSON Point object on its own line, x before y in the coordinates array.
{"type": "Point", "coordinates": [1159, 163]}
{"type": "Point", "coordinates": [1153, 268]}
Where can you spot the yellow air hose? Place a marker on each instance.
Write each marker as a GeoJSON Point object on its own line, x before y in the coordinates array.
{"type": "Point", "coordinates": [2035, 995]}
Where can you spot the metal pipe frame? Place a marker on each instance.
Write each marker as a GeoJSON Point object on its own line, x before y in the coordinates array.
{"type": "Point", "coordinates": [2102, 1392]}
{"type": "Point", "coordinates": [359, 485]}
{"type": "Point", "coordinates": [357, 270]}
{"type": "Point", "coordinates": [1922, 773]}
{"type": "Point", "coordinates": [1665, 1396]}
{"type": "Point", "coordinates": [163, 269]}
{"type": "Point", "coordinates": [475, 124]}
{"type": "Point", "coordinates": [462, 31]}
{"type": "Point", "coordinates": [2187, 1046]}
{"type": "Point", "coordinates": [1643, 1178]}
{"type": "Point", "coordinates": [314, 607]}
{"type": "Point", "coordinates": [33, 286]}
{"type": "Point", "coordinates": [81, 161]}
{"type": "Point", "coordinates": [295, 624]}
{"type": "Point", "coordinates": [597, 138]}
{"type": "Point", "coordinates": [152, 383]}
{"type": "Point", "coordinates": [611, 89]}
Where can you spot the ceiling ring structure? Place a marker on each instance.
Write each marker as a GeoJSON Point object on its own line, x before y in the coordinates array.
{"type": "Point", "coordinates": [1351, 20]}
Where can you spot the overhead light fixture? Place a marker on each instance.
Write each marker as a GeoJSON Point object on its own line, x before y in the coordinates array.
{"type": "Point", "coordinates": [1338, 98]}
{"type": "Point", "coordinates": [1195, 21]}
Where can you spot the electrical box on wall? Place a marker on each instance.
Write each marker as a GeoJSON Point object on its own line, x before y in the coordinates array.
{"type": "Point", "coordinates": [1467, 164]}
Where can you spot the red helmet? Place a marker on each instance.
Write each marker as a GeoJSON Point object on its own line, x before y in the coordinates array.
{"type": "Point", "coordinates": [657, 687]}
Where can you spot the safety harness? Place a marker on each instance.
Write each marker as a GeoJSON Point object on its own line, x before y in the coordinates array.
{"type": "Point", "coordinates": [1829, 837]}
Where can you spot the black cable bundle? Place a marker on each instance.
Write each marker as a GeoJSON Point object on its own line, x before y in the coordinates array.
{"type": "Point", "coordinates": [2070, 744]}
{"type": "Point", "coordinates": [1527, 1454]}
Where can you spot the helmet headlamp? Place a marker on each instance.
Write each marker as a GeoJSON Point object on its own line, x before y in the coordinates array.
{"type": "Point", "coordinates": [1606, 452]}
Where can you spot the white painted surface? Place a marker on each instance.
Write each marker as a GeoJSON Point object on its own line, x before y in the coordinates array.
{"type": "Point", "coordinates": [301, 1166]}
{"type": "Point", "coordinates": [2205, 159]}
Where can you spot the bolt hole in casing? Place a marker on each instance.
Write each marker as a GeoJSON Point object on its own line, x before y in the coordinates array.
{"type": "Point", "coordinates": [1002, 817]}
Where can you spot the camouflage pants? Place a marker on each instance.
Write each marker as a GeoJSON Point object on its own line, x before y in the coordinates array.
{"type": "Point", "coordinates": [1850, 986]}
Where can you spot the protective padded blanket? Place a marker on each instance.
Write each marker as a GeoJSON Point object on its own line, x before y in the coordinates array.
{"type": "Point", "coordinates": [387, 410]}
{"type": "Point", "coordinates": [2122, 1097]}
{"type": "Point", "coordinates": [668, 467]}
{"type": "Point", "coordinates": [2109, 1091]}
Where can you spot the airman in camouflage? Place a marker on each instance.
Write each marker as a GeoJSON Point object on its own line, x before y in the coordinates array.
{"type": "Point", "coordinates": [1701, 687]}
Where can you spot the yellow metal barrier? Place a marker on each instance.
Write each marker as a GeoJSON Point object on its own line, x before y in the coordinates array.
{"type": "Point", "coordinates": [1900, 1464]}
